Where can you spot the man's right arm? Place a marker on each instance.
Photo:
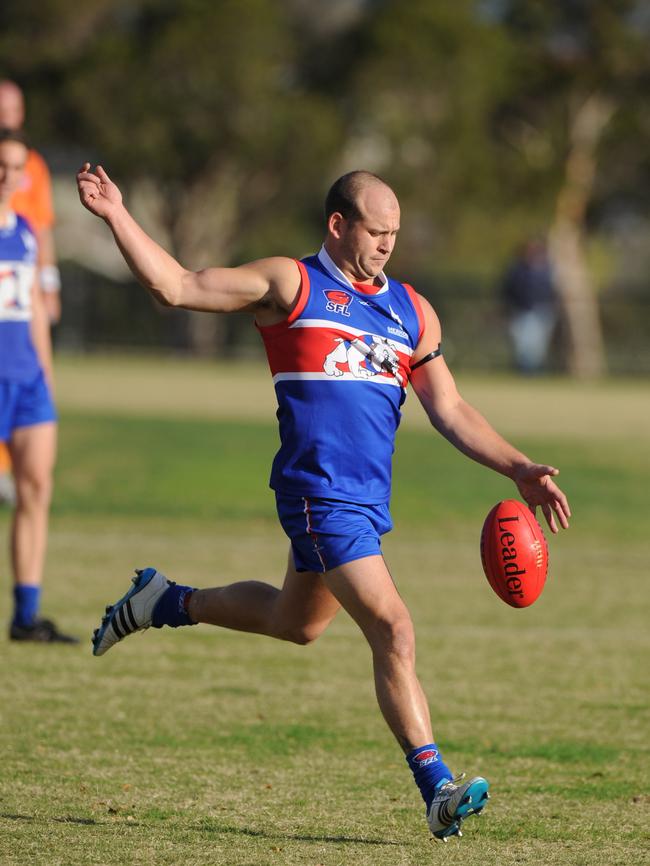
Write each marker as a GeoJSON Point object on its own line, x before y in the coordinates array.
{"type": "Point", "coordinates": [466, 429]}
{"type": "Point", "coordinates": [268, 283]}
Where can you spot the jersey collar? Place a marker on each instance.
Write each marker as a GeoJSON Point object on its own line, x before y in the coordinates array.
{"type": "Point", "coordinates": [10, 224]}
{"type": "Point", "coordinates": [336, 273]}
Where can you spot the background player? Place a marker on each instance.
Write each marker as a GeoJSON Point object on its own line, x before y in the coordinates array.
{"type": "Point", "coordinates": [27, 414]}
{"type": "Point", "coordinates": [33, 200]}
{"type": "Point", "coordinates": [338, 417]}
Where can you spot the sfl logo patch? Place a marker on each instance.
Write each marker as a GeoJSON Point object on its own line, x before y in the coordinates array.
{"type": "Point", "coordinates": [428, 756]}
{"type": "Point", "coordinates": [338, 301]}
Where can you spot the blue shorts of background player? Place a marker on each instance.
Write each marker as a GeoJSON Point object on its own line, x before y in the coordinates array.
{"type": "Point", "coordinates": [326, 533]}
{"type": "Point", "coordinates": [23, 404]}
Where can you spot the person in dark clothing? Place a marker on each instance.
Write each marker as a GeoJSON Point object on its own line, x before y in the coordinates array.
{"type": "Point", "coordinates": [530, 297]}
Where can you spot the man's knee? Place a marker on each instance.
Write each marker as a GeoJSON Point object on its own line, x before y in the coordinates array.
{"type": "Point", "coordinates": [394, 636]}
{"type": "Point", "coordinates": [301, 633]}
{"type": "Point", "coordinates": [33, 491]}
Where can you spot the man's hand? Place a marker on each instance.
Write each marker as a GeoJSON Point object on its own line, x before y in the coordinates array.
{"type": "Point", "coordinates": [538, 489]}
{"type": "Point", "coordinates": [97, 191]}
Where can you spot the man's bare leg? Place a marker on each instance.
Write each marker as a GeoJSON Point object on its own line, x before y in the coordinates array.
{"type": "Point", "coordinates": [300, 611]}
{"type": "Point", "coordinates": [367, 592]}
{"type": "Point", "coordinates": [33, 451]}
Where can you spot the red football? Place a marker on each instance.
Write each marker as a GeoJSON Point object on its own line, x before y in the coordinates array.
{"type": "Point", "coordinates": [514, 553]}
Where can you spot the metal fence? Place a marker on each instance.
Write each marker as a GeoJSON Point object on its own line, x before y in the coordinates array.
{"type": "Point", "coordinates": [100, 314]}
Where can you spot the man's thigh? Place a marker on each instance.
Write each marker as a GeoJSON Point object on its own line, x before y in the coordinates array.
{"type": "Point", "coordinates": [33, 451]}
{"type": "Point", "coordinates": [326, 533]}
{"type": "Point", "coordinates": [305, 598]}
{"type": "Point", "coordinates": [366, 590]}
{"type": "Point", "coordinates": [25, 404]}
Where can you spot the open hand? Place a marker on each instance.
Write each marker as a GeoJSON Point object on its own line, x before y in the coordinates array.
{"type": "Point", "coordinates": [97, 191]}
{"type": "Point", "coordinates": [536, 485]}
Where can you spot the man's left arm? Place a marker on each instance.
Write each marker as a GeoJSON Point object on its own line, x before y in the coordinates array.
{"type": "Point", "coordinates": [40, 214]}
{"type": "Point", "coordinates": [40, 331]}
{"type": "Point", "coordinates": [470, 432]}
{"type": "Point", "coordinates": [50, 276]}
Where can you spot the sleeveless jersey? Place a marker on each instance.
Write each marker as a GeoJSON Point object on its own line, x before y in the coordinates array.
{"type": "Point", "coordinates": [340, 364]}
{"type": "Point", "coordinates": [18, 359]}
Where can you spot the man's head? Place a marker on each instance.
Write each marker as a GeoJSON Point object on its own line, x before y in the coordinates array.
{"type": "Point", "coordinates": [363, 215]}
{"type": "Point", "coordinates": [12, 105]}
{"type": "Point", "coordinates": [13, 156]}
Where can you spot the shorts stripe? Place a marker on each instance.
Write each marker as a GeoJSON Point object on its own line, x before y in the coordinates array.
{"type": "Point", "coordinates": [312, 534]}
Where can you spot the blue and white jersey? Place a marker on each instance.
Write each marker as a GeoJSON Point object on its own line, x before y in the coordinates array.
{"type": "Point", "coordinates": [18, 251]}
{"type": "Point", "coordinates": [341, 364]}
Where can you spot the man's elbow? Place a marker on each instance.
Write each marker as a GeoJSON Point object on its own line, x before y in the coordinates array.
{"type": "Point", "coordinates": [167, 296]}
{"type": "Point", "coordinates": [167, 300]}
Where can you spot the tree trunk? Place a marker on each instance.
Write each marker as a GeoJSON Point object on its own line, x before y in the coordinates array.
{"type": "Point", "coordinates": [586, 354]}
{"type": "Point", "coordinates": [202, 221]}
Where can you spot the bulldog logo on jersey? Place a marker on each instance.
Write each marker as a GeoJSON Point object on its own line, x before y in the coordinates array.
{"type": "Point", "coordinates": [338, 301]}
{"type": "Point", "coordinates": [365, 358]}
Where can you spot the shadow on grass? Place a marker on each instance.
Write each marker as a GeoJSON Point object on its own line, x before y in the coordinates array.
{"type": "Point", "coordinates": [218, 829]}
{"type": "Point", "coordinates": [30, 819]}
{"type": "Point", "coordinates": [296, 837]}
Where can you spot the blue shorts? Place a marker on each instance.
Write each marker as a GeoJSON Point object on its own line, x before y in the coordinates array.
{"type": "Point", "coordinates": [23, 404]}
{"type": "Point", "coordinates": [326, 533]}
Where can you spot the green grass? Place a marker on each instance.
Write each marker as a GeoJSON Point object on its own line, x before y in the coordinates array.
{"type": "Point", "coordinates": [211, 469]}
{"type": "Point", "coordinates": [213, 747]}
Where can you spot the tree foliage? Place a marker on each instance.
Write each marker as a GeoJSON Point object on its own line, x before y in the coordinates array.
{"type": "Point", "coordinates": [230, 119]}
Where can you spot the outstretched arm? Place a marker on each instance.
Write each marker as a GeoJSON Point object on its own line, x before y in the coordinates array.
{"type": "Point", "coordinates": [470, 432]}
{"type": "Point", "coordinates": [271, 283]}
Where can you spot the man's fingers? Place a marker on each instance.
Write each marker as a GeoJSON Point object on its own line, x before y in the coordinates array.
{"type": "Point", "coordinates": [560, 505]}
{"type": "Point", "coordinates": [563, 513]}
{"type": "Point", "coordinates": [553, 504]}
{"type": "Point", "coordinates": [102, 175]}
{"type": "Point", "coordinates": [554, 509]}
{"type": "Point", "coordinates": [547, 511]}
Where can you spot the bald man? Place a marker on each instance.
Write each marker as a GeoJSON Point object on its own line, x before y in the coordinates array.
{"type": "Point", "coordinates": [344, 341]}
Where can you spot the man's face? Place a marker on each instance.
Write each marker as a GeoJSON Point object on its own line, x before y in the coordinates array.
{"type": "Point", "coordinates": [13, 156]}
{"type": "Point", "coordinates": [361, 247]}
{"type": "Point", "coordinates": [12, 107]}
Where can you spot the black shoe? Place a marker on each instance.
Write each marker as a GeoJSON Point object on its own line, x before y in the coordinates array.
{"type": "Point", "coordinates": [40, 631]}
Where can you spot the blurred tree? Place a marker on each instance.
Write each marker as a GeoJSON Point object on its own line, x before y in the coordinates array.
{"type": "Point", "coordinates": [427, 80]}
{"type": "Point", "coordinates": [582, 64]}
{"type": "Point", "coordinates": [493, 119]}
{"type": "Point", "coordinates": [208, 109]}
{"type": "Point", "coordinates": [198, 109]}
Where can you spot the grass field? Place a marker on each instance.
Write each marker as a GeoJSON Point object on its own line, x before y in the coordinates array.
{"type": "Point", "coordinates": [212, 747]}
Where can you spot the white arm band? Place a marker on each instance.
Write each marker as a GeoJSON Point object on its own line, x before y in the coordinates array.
{"type": "Point", "coordinates": [50, 278]}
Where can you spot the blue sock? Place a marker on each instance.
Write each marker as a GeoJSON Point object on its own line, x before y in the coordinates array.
{"type": "Point", "coordinates": [170, 609]}
{"type": "Point", "coordinates": [26, 603]}
{"type": "Point", "coordinates": [429, 770]}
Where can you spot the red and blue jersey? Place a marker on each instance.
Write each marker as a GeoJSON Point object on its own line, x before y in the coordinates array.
{"type": "Point", "coordinates": [340, 364]}
{"type": "Point", "coordinates": [18, 359]}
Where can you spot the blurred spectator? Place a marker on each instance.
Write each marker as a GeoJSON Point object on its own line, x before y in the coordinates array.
{"type": "Point", "coordinates": [33, 201]}
{"type": "Point", "coordinates": [530, 299]}
{"type": "Point", "coordinates": [27, 413]}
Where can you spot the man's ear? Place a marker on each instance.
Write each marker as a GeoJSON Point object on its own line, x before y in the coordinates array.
{"type": "Point", "coordinates": [335, 224]}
